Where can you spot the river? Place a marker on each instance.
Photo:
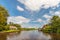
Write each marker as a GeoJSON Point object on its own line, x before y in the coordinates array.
{"type": "Point", "coordinates": [29, 35]}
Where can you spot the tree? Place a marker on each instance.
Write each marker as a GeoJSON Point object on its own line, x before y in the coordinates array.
{"type": "Point", "coordinates": [16, 25]}
{"type": "Point", "coordinates": [54, 25]}
{"type": "Point", "coordinates": [3, 17]}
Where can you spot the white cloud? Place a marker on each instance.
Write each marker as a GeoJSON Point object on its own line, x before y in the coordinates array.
{"type": "Point", "coordinates": [46, 16]}
{"type": "Point", "coordinates": [19, 8]}
{"type": "Point", "coordinates": [35, 5]}
{"type": "Point", "coordinates": [18, 20]}
{"type": "Point", "coordinates": [51, 13]}
{"type": "Point", "coordinates": [39, 20]}
{"type": "Point", "coordinates": [57, 13]}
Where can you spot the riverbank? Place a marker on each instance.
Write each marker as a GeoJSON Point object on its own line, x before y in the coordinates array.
{"type": "Point", "coordinates": [22, 29]}
{"type": "Point", "coordinates": [27, 29]}
{"type": "Point", "coordinates": [8, 31]}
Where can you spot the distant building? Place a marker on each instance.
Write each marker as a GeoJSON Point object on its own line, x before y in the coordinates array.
{"type": "Point", "coordinates": [13, 28]}
{"type": "Point", "coordinates": [44, 27]}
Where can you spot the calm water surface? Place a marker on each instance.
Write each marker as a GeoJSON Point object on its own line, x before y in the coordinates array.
{"type": "Point", "coordinates": [29, 35]}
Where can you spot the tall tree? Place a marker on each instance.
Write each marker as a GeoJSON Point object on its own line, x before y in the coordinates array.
{"type": "Point", "coordinates": [3, 17]}
{"type": "Point", "coordinates": [55, 23]}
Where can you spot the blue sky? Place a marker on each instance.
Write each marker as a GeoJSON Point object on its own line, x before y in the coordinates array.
{"type": "Point", "coordinates": [31, 13]}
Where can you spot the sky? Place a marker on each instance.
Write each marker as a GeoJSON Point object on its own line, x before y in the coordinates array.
{"type": "Point", "coordinates": [31, 13]}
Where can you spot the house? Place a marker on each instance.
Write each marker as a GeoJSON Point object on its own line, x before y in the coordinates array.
{"type": "Point", "coordinates": [44, 27]}
{"type": "Point", "coordinates": [13, 28]}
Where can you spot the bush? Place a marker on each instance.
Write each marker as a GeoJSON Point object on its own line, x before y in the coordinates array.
{"type": "Point", "coordinates": [58, 31]}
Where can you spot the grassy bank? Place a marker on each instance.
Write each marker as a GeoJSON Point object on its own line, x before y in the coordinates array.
{"type": "Point", "coordinates": [27, 29]}
{"type": "Point", "coordinates": [22, 29]}
{"type": "Point", "coordinates": [8, 31]}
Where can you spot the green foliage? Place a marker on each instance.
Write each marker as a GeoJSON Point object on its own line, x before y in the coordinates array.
{"type": "Point", "coordinates": [7, 27]}
{"type": "Point", "coordinates": [27, 29]}
{"type": "Point", "coordinates": [58, 31]}
{"type": "Point", "coordinates": [16, 25]}
{"type": "Point", "coordinates": [53, 26]}
{"type": "Point", "coordinates": [3, 18]}
{"type": "Point", "coordinates": [47, 29]}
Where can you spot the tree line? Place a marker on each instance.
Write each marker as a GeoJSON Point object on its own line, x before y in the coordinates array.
{"type": "Point", "coordinates": [53, 26]}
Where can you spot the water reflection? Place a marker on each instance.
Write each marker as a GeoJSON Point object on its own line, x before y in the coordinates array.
{"type": "Point", "coordinates": [29, 35]}
{"type": "Point", "coordinates": [3, 36]}
{"type": "Point", "coordinates": [55, 36]}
